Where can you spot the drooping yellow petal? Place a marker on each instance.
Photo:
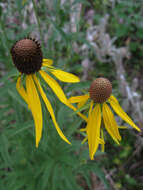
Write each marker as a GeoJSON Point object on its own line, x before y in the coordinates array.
{"type": "Point", "coordinates": [35, 106]}
{"type": "Point", "coordinates": [83, 129]}
{"type": "Point", "coordinates": [47, 62]}
{"type": "Point", "coordinates": [101, 141]}
{"type": "Point", "coordinates": [113, 98]}
{"type": "Point", "coordinates": [21, 90]}
{"type": "Point", "coordinates": [91, 107]}
{"type": "Point", "coordinates": [81, 100]}
{"type": "Point", "coordinates": [76, 99]}
{"type": "Point", "coordinates": [122, 127]}
{"type": "Point", "coordinates": [93, 130]}
{"type": "Point", "coordinates": [64, 76]}
{"type": "Point", "coordinates": [102, 137]}
{"type": "Point", "coordinates": [84, 140]}
{"type": "Point", "coordinates": [110, 123]}
{"type": "Point", "coordinates": [88, 130]}
{"type": "Point", "coordinates": [50, 109]}
{"type": "Point", "coordinates": [59, 92]}
{"type": "Point", "coordinates": [55, 87]}
{"type": "Point", "coordinates": [75, 109]}
{"type": "Point", "coordinates": [81, 104]}
{"type": "Point", "coordinates": [117, 108]}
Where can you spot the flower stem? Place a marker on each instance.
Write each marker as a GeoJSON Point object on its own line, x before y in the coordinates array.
{"type": "Point", "coordinates": [38, 23]}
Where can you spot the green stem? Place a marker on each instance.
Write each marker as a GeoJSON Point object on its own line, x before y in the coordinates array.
{"type": "Point", "coordinates": [5, 41]}
{"type": "Point", "coordinates": [38, 23]}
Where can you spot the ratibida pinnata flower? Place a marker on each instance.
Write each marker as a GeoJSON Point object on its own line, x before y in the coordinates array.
{"type": "Point", "coordinates": [28, 59]}
{"type": "Point", "coordinates": [102, 102]}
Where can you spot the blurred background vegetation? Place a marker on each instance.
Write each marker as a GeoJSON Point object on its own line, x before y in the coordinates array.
{"type": "Point", "coordinates": [90, 38]}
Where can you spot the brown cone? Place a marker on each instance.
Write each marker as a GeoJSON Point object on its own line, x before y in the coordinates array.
{"type": "Point", "coordinates": [27, 55]}
{"type": "Point", "coordinates": [100, 90]}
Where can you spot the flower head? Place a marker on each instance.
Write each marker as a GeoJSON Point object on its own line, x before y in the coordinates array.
{"type": "Point", "coordinates": [101, 102]}
{"type": "Point", "coordinates": [28, 59]}
{"type": "Point", "coordinates": [100, 90]}
{"type": "Point", "coordinates": [27, 55]}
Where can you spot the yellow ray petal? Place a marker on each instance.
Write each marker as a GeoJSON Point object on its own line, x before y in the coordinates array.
{"type": "Point", "coordinates": [21, 90]}
{"type": "Point", "coordinates": [102, 137]}
{"type": "Point", "coordinates": [76, 99]}
{"type": "Point", "coordinates": [122, 127]}
{"type": "Point", "coordinates": [75, 109]}
{"type": "Point", "coordinates": [80, 104]}
{"type": "Point", "coordinates": [81, 100]}
{"type": "Point", "coordinates": [47, 62]}
{"type": "Point", "coordinates": [59, 92]}
{"type": "Point", "coordinates": [88, 131]}
{"type": "Point", "coordinates": [110, 123]}
{"type": "Point", "coordinates": [113, 98]}
{"type": "Point", "coordinates": [91, 106]}
{"type": "Point", "coordinates": [83, 129]}
{"type": "Point", "coordinates": [101, 141]}
{"type": "Point", "coordinates": [55, 87]}
{"type": "Point", "coordinates": [117, 108]}
{"type": "Point", "coordinates": [93, 130]}
{"type": "Point", "coordinates": [64, 76]}
{"type": "Point", "coordinates": [50, 109]}
{"type": "Point", "coordinates": [84, 140]}
{"type": "Point", "coordinates": [35, 106]}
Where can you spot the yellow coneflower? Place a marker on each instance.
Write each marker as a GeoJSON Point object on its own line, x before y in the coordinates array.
{"type": "Point", "coordinates": [101, 102]}
{"type": "Point", "coordinates": [28, 59]}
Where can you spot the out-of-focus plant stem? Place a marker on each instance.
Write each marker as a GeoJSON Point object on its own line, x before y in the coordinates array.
{"type": "Point", "coordinates": [38, 23]}
{"type": "Point", "coordinates": [5, 41]}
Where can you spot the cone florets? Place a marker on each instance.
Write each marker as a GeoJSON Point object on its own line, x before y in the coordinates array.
{"type": "Point", "coordinates": [27, 55]}
{"type": "Point", "coordinates": [100, 90]}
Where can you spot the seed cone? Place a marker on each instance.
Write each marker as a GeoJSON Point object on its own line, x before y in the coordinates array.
{"type": "Point", "coordinates": [27, 55]}
{"type": "Point", "coordinates": [100, 90]}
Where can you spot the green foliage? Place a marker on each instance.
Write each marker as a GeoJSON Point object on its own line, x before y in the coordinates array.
{"type": "Point", "coordinates": [56, 165]}
{"type": "Point", "coordinates": [127, 26]}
